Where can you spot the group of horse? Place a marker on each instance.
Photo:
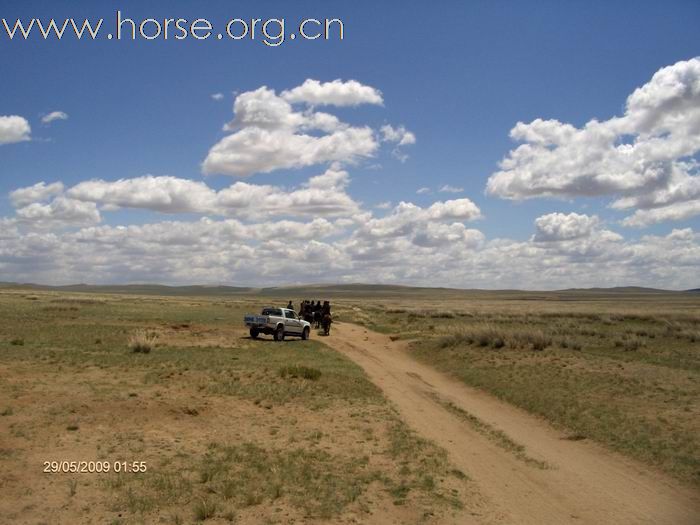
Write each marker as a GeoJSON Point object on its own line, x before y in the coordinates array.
{"type": "Point", "coordinates": [317, 314]}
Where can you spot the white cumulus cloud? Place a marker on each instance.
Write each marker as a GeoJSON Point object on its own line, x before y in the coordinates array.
{"type": "Point", "coordinates": [158, 193]}
{"type": "Point", "coordinates": [644, 157]}
{"type": "Point", "coordinates": [674, 212]}
{"type": "Point", "coordinates": [564, 227]}
{"type": "Point", "coordinates": [39, 192]}
{"type": "Point", "coordinates": [446, 188]}
{"type": "Point", "coordinates": [256, 150]}
{"type": "Point", "coordinates": [411, 245]}
{"type": "Point", "coordinates": [406, 218]}
{"type": "Point", "coordinates": [14, 128]}
{"type": "Point", "coordinates": [268, 133]}
{"type": "Point", "coordinates": [61, 211]}
{"type": "Point", "coordinates": [323, 195]}
{"type": "Point", "coordinates": [335, 93]}
{"type": "Point", "coordinates": [400, 135]}
{"type": "Point", "coordinates": [54, 115]}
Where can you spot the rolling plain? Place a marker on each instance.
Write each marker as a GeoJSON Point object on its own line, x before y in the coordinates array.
{"type": "Point", "coordinates": [422, 406]}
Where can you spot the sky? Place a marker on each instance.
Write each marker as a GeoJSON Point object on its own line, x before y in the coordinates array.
{"type": "Point", "coordinates": [530, 145]}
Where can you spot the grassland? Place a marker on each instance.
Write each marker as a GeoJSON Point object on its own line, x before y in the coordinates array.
{"type": "Point", "coordinates": [237, 430]}
{"type": "Point", "coordinates": [620, 369]}
{"type": "Point", "coordinates": [231, 429]}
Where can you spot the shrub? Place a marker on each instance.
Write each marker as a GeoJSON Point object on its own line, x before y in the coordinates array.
{"type": "Point", "coordinates": [693, 336]}
{"type": "Point", "coordinates": [573, 344]}
{"type": "Point", "coordinates": [487, 335]}
{"type": "Point", "coordinates": [632, 344]}
{"type": "Point", "coordinates": [142, 341]}
{"type": "Point", "coordinates": [442, 315]}
{"type": "Point", "coordinates": [540, 343]}
{"type": "Point", "coordinates": [303, 372]}
{"type": "Point", "coordinates": [18, 341]}
{"type": "Point", "coordinates": [482, 335]}
{"type": "Point", "coordinates": [204, 509]}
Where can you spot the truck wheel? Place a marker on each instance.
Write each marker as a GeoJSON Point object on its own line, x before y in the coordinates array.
{"type": "Point", "coordinates": [254, 333]}
{"type": "Point", "coordinates": [305, 334]}
{"type": "Point", "coordinates": [279, 333]}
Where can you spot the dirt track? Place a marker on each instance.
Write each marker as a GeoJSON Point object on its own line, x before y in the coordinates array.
{"type": "Point", "coordinates": [584, 483]}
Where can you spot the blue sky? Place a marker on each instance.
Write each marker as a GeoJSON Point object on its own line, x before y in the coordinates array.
{"type": "Point", "coordinates": [457, 75]}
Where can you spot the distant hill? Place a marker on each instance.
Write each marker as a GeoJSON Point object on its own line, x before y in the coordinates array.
{"type": "Point", "coordinates": [618, 289]}
{"type": "Point", "coordinates": [142, 289]}
{"type": "Point", "coordinates": [352, 290]}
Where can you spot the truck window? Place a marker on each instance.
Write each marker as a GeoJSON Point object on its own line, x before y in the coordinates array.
{"type": "Point", "coordinates": [275, 312]}
{"type": "Point", "coordinates": [289, 314]}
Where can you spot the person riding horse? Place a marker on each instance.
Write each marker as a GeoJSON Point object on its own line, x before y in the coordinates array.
{"type": "Point", "coordinates": [326, 322]}
{"type": "Point", "coordinates": [318, 315]}
{"type": "Point", "coordinates": [307, 311]}
{"type": "Point", "coordinates": [326, 318]}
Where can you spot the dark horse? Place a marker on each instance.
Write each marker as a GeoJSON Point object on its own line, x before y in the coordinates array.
{"type": "Point", "coordinates": [307, 314]}
{"type": "Point", "coordinates": [318, 317]}
{"type": "Point", "coordinates": [326, 323]}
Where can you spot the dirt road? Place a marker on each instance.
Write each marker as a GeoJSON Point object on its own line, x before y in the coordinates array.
{"type": "Point", "coordinates": [552, 481]}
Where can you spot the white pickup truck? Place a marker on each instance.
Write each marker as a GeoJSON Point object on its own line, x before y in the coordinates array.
{"type": "Point", "coordinates": [279, 322]}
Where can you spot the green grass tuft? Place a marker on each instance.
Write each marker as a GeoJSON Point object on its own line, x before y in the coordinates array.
{"type": "Point", "coordinates": [298, 371]}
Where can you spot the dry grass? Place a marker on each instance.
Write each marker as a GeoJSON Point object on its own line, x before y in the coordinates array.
{"type": "Point", "coordinates": [204, 509]}
{"type": "Point", "coordinates": [630, 380]}
{"type": "Point", "coordinates": [493, 336]}
{"type": "Point", "coordinates": [230, 428]}
{"type": "Point", "coordinates": [622, 369]}
{"type": "Point", "coordinates": [142, 341]}
{"type": "Point", "coordinates": [298, 371]}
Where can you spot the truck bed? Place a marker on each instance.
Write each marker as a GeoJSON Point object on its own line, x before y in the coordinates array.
{"type": "Point", "coordinates": [255, 319]}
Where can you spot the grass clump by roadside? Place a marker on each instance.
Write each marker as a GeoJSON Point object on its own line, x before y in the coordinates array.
{"type": "Point", "coordinates": [317, 482]}
{"type": "Point", "coordinates": [281, 374]}
{"type": "Point", "coordinates": [236, 479]}
{"type": "Point", "coordinates": [297, 371]}
{"type": "Point", "coordinates": [147, 492]}
{"type": "Point", "coordinates": [499, 437]}
{"type": "Point", "coordinates": [142, 341]}
{"type": "Point", "coordinates": [204, 509]}
{"type": "Point", "coordinates": [409, 449]}
{"type": "Point", "coordinates": [487, 335]}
